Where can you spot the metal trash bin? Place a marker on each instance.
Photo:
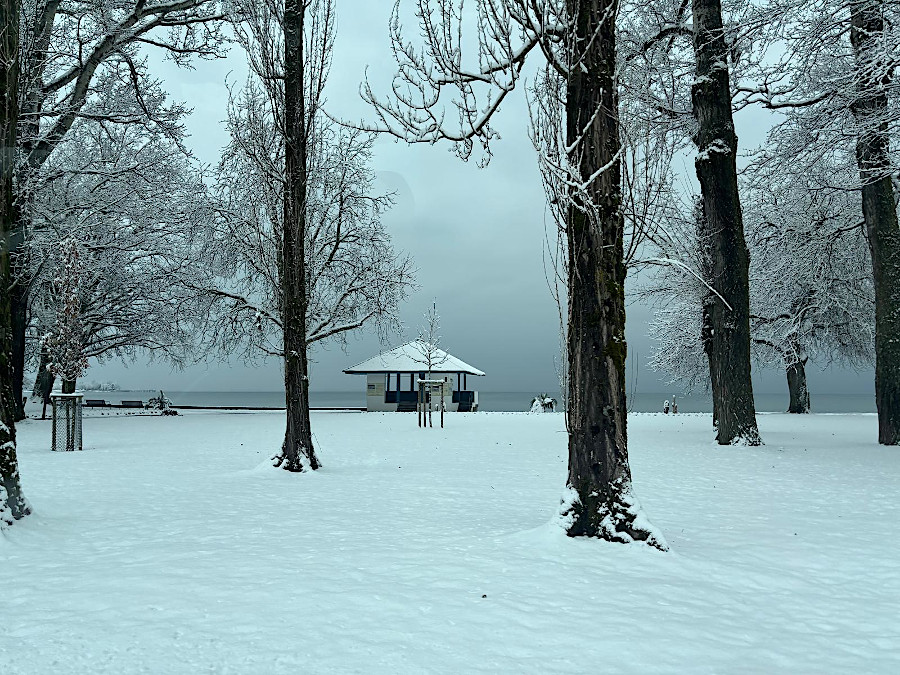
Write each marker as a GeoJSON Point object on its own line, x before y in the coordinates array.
{"type": "Point", "coordinates": [66, 421]}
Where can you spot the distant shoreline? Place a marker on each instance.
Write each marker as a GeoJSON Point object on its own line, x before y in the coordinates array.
{"type": "Point", "coordinates": [489, 401]}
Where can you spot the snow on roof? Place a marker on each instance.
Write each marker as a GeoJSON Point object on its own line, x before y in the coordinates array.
{"type": "Point", "coordinates": [410, 358]}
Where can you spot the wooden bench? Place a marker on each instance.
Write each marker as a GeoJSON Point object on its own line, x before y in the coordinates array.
{"type": "Point", "coordinates": [132, 404]}
{"type": "Point", "coordinates": [95, 403]}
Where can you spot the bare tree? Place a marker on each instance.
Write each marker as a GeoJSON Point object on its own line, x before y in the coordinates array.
{"type": "Point", "coordinates": [680, 289]}
{"type": "Point", "coordinates": [693, 55]}
{"type": "Point", "coordinates": [428, 345]}
{"type": "Point", "coordinates": [427, 351]}
{"type": "Point", "coordinates": [83, 61]}
{"type": "Point", "coordinates": [578, 41]}
{"type": "Point", "coordinates": [297, 452]}
{"type": "Point", "coordinates": [677, 329]}
{"type": "Point", "coordinates": [835, 83]}
{"type": "Point", "coordinates": [13, 504]}
{"type": "Point", "coordinates": [315, 236]}
{"type": "Point", "coordinates": [133, 202]}
{"type": "Point", "coordinates": [809, 299]}
{"type": "Point", "coordinates": [354, 276]}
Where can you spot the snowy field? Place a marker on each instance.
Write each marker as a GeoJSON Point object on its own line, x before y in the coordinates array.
{"type": "Point", "coordinates": [165, 548]}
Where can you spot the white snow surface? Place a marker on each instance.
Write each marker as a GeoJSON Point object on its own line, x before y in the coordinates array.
{"type": "Point", "coordinates": [170, 546]}
{"type": "Point", "coordinates": [411, 357]}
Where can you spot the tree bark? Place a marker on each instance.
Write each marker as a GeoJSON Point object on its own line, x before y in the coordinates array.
{"type": "Point", "coordinates": [729, 315]}
{"type": "Point", "coordinates": [706, 326]}
{"type": "Point", "coordinates": [879, 209]}
{"type": "Point", "coordinates": [19, 319]}
{"type": "Point", "coordinates": [20, 288]}
{"type": "Point", "coordinates": [13, 504]}
{"type": "Point", "coordinates": [600, 502]}
{"type": "Point", "coordinates": [35, 63]}
{"type": "Point", "coordinates": [706, 338]}
{"type": "Point", "coordinates": [799, 393]}
{"type": "Point", "coordinates": [297, 453]}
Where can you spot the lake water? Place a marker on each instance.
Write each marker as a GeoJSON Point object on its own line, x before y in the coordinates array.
{"type": "Point", "coordinates": [496, 401]}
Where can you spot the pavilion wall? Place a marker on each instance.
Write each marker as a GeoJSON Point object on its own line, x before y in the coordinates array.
{"type": "Point", "coordinates": [376, 384]}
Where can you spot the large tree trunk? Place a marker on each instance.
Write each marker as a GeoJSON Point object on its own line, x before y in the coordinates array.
{"type": "Point", "coordinates": [879, 210]}
{"type": "Point", "coordinates": [799, 392]}
{"type": "Point", "coordinates": [716, 167]}
{"type": "Point", "coordinates": [35, 60]}
{"type": "Point", "coordinates": [13, 504]}
{"type": "Point", "coordinates": [297, 453]}
{"type": "Point", "coordinates": [601, 503]}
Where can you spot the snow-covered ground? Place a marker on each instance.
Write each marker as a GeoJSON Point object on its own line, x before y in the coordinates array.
{"type": "Point", "coordinates": [164, 548]}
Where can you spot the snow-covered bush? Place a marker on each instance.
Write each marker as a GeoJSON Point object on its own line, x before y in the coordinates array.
{"type": "Point", "coordinates": [161, 403]}
{"type": "Point", "coordinates": [543, 403]}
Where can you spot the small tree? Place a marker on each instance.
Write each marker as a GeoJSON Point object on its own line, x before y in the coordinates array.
{"type": "Point", "coordinates": [428, 344]}
{"type": "Point", "coordinates": [65, 342]}
{"type": "Point", "coordinates": [430, 354]}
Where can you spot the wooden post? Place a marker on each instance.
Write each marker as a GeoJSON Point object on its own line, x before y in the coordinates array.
{"type": "Point", "coordinates": [442, 405]}
{"type": "Point", "coordinates": [419, 403]}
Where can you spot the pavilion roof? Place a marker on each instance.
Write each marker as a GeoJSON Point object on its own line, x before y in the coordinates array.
{"type": "Point", "coordinates": [410, 358]}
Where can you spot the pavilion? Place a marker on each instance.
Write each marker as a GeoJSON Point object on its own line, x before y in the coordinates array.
{"type": "Point", "coordinates": [391, 378]}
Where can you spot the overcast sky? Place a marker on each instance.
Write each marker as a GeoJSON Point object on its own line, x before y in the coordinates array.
{"type": "Point", "coordinates": [477, 236]}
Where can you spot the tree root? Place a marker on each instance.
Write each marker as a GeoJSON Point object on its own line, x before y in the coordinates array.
{"type": "Point", "coordinates": [616, 517]}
